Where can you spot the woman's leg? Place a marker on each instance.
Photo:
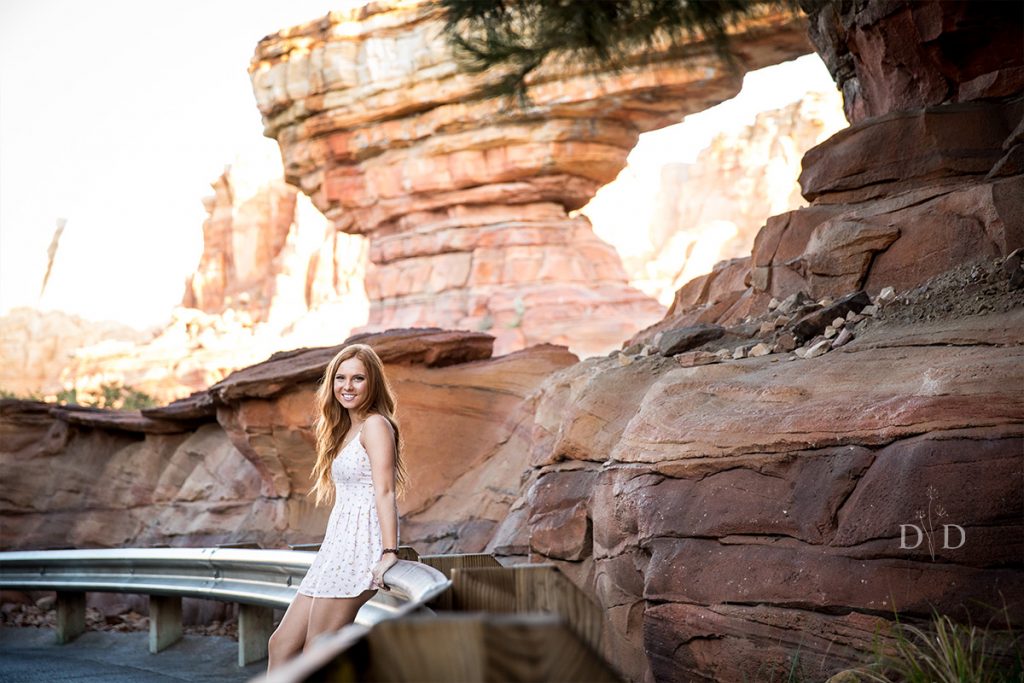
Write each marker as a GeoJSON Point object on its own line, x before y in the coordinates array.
{"type": "Point", "coordinates": [330, 614]}
{"type": "Point", "coordinates": [289, 637]}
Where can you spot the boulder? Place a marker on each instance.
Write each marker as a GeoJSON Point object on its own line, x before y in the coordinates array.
{"type": "Point", "coordinates": [909, 149]}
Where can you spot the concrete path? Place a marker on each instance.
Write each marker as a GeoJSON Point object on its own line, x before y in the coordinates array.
{"type": "Point", "coordinates": [30, 655]}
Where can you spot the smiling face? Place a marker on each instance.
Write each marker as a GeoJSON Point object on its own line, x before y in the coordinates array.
{"type": "Point", "coordinates": [350, 385]}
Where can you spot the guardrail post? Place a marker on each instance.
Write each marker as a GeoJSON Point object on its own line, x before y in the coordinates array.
{"type": "Point", "coordinates": [164, 621]}
{"type": "Point", "coordinates": [255, 624]}
{"type": "Point", "coordinates": [70, 616]}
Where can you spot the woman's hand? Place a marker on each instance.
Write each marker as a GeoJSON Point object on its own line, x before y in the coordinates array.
{"type": "Point", "coordinates": [383, 564]}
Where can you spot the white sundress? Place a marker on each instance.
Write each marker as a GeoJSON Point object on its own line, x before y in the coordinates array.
{"type": "Point", "coordinates": [352, 542]}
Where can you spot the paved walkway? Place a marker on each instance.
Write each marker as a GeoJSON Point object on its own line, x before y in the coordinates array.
{"type": "Point", "coordinates": [30, 655]}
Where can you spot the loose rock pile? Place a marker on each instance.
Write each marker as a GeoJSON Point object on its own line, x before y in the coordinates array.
{"type": "Point", "coordinates": [43, 614]}
{"type": "Point", "coordinates": [802, 328]}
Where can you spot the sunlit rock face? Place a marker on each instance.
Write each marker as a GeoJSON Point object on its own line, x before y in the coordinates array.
{"type": "Point", "coordinates": [466, 199]}
{"type": "Point", "coordinates": [929, 175]}
{"type": "Point", "coordinates": [729, 516]}
{"type": "Point", "coordinates": [273, 275]}
{"type": "Point", "coordinates": [898, 197]}
{"type": "Point", "coordinates": [36, 345]}
{"type": "Point", "coordinates": [243, 240]}
{"type": "Point", "coordinates": [232, 463]}
{"type": "Point", "coordinates": [711, 210]}
{"type": "Point", "coordinates": [741, 519]}
{"type": "Point", "coordinates": [267, 253]}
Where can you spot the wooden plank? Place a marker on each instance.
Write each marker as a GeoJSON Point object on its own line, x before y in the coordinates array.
{"type": "Point", "coordinates": [539, 648]}
{"type": "Point", "coordinates": [70, 616]}
{"type": "Point", "coordinates": [528, 588]}
{"type": "Point", "coordinates": [484, 590]}
{"type": "Point", "coordinates": [164, 621]}
{"type": "Point", "coordinates": [546, 589]}
{"type": "Point", "coordinates": [445, 563]}
{"type": "Point", "coordinates": [433, 650]}
{"type": "Point", "coordinates": [255, 624]}
{"type": "Point", "coordinates": [469, 647]}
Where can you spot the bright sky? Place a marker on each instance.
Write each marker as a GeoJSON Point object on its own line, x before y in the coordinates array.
{"type": "Point", "coordinates": [117, 115]}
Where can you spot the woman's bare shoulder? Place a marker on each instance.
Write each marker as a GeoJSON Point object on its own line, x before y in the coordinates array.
{"type": "Point", "coordinates": [377, 425]}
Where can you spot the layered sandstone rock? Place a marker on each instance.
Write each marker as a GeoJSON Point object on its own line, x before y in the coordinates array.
{"type": "Point", "coordinates": [267, 252]}
{"type": "Point", "coordinates": [750, 509]}
{"type": "Point", "coordinates": [712, 209]}
{"type": "Point", "coordinates": [243, 238]}
{"type": "Point", "coordinates": [232, 464]}
{"type": "Point", "coordinates": [729, 516]}
{"type": "Point", "coordinates": [465, 199]}
{"type": "Point", "coordinates": [902, 55]}
{"type": "Point", "coordinates": [896, 200]}
{"type": "Point", "coordinates": [36, 345]}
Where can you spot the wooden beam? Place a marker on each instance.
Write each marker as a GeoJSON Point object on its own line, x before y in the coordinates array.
{"type": "Point", "coordinates": [164, 621]}
{"type": "Point", "coordinates": [528, 588]}
{"type": "Point", "coordinates": [70, 616]}
{"type": "Point", "coordinates": [468, 647]}
{"type": "Point", "coordinates": [446, 563]}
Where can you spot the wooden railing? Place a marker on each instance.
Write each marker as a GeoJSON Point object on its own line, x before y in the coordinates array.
{"type": "Point", "coordinates": [520, 623]}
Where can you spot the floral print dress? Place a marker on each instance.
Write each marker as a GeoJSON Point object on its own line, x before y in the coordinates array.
{"type": "Point", "coordinates": [352, 543]}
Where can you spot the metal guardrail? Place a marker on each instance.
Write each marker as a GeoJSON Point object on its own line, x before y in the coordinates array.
{"type": "Point", "coordinates": [260, 579]}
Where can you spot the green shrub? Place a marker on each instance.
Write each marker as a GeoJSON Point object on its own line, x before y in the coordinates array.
{"type": "Point", "coordinates": [111, 397]}
{"type": "Point", "coordinates": [120, 397]}
{"type": "Point", "coordinates": [947, 652]}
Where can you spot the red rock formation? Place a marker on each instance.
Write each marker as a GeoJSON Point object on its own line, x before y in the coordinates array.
{"type": "Point", "coordinates": [466, 200]}
{"type": "Point", "coordinates": [243, 238]}
{"type": "Point", "coordinates": [36, 345]}
{"type": "Point", "coordinates": [902, 55]}
{"type": "Point", "coordinates": [232, 463]}
{"type": "Point", "coordinates": [897, 200]}
{"type": "Point", "coordinates": [728, 516]}
{"type": "Point", "coordinates": [748, 510]}
{"type": "Point", "coordinates": [257, 258]}
{"type": "Point", "coordinates": [712, 209]}
{"type": "Point", "coordinates": [273, 275]}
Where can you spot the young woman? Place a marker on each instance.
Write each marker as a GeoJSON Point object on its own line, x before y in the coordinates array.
{"type": "Point", "coordinates": [358, 465]}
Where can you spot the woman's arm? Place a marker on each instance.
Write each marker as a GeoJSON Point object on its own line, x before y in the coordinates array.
{"type": "Point", "coordinates": [379, 441]}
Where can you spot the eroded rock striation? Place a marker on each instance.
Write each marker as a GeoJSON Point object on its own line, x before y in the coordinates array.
{"type": "Point", "coordinates": [897, 198]}
{"type": "Point", "coordinates": [232, 463]}
{"type": "Point", "coordinates": [466, 200]}
{"type": "Point", "coordinates": [712, 209]}
{"type": "Point", "coordinates": [902, 55]}
{"type": "Point", "coordinates": [730, 515]}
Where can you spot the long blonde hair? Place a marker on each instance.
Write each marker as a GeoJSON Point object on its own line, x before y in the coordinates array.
{"type": "Point", "coordinates": [333, 421]}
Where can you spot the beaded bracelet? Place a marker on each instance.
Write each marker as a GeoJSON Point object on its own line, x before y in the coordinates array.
{"type": "Point", "coordinates": [394, 551]}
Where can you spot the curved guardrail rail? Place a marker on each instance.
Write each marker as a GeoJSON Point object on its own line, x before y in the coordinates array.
{"type": "Point", "coordinates": [259, 580]}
